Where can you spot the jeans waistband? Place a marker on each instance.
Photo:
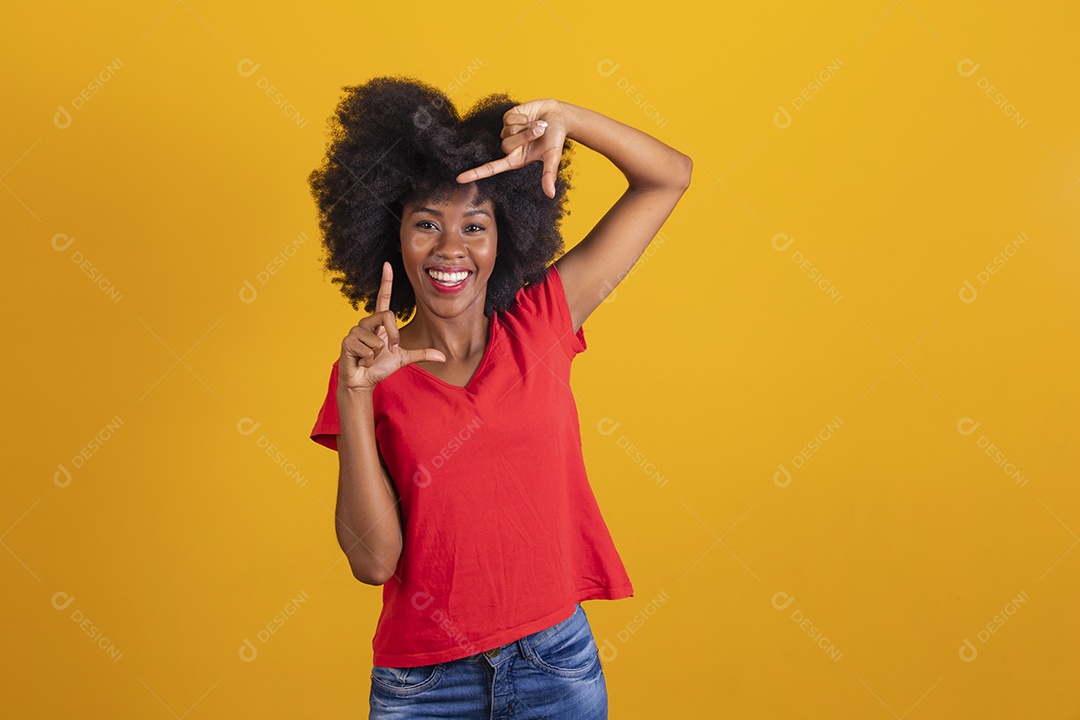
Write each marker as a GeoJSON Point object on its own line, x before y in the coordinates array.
{"type": "Point", "coordinates": [523, 646]}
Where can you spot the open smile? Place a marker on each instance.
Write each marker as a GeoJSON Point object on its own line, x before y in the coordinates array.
{"type": "Point", "coordinates": [449, 282]}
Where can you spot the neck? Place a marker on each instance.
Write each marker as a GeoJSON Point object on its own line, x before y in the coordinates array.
{"type": "Point", "coordinates": [458, 338]}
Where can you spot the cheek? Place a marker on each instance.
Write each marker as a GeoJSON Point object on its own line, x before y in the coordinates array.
{"type": "Point", "coordinates": [415, 245]}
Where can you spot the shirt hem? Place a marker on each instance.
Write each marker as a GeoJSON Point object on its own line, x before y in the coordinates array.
{"type": "Point", "coordinates": [506, 637]}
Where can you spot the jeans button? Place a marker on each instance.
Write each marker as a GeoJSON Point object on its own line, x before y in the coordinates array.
{"type": "Point", "coordinates": [493, 653]}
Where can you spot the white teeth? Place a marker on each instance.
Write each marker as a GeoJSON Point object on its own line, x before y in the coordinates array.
{"type": "Point", "coordinates": [448, 278]}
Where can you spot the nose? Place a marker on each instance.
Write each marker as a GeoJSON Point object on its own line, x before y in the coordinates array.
{"type": "Point", "coordinates": [450, 245]}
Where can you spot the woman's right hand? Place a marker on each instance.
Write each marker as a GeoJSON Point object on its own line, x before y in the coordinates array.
{"type": "Point", "coordinates": [370, 352]}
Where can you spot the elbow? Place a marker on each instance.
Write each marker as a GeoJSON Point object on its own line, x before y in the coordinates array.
{"type": "Point", "coordinates": [685, 170]}
{"type": "Point", "coordinates": [371, 575]}
{"type": "Point", "coordinates": [372, 569]}
{"type": "Point", "coordinates": [371, 563]}
{"type": "Point", "coordinates": [375, 580]}
{"type": "Point", "coordinates": [673, 176]}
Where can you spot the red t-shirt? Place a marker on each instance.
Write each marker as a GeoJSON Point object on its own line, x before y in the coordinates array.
{"type": "Point", "coordinates": [502, 532]}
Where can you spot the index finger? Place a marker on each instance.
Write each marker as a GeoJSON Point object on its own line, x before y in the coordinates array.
{"type": "Point", "coordinates": [486, 170]}
{"type": "Point", "coordinates": [382, 302]}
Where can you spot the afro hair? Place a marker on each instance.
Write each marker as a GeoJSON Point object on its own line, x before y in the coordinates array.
{"type": "Point", "coordinates": [396, 139]}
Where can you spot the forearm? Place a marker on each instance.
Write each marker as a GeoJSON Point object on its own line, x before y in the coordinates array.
{"type": "Point", "coordinates": [368, 524]}
{"type": "Point", "coordinates": [646, 162]}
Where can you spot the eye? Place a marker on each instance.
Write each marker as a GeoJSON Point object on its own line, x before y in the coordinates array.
{"type": "Point", "coordinates": [474, 227]}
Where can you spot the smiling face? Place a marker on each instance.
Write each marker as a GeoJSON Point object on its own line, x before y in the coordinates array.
{"type": "Point", "coordinates": [448, 248]}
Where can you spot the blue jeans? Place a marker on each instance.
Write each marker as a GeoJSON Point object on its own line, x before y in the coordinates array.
{"type": "Point", "coordinates": [552, 673]}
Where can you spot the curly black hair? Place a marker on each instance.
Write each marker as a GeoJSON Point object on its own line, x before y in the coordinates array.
{"type": "Point", "coordinates": [394, 140]}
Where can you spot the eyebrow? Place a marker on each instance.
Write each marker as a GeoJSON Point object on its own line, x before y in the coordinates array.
{"type": "Point", "coordinates": [475, 211]}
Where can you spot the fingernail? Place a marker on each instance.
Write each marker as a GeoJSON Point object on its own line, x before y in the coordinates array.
{"type": "Point", "coordinates": [542, 123]}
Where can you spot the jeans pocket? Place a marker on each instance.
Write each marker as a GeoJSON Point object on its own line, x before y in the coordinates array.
{"type": "Point", "coordinates": [405, 682]}
{"type": "Point", "coordinates": [570, 650]}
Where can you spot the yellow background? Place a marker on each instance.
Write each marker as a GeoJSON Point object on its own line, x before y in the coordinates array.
{"type": "Point", "coordinates": [899, 179]}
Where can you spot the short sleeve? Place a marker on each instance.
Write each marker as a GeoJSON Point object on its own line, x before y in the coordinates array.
{"type": "Point", "coordinates": [327, 425]}
{"type": "Point", "coordinates": [547, 300]}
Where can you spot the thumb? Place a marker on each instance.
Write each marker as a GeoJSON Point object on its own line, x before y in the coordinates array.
{"type": "Point", "coordinates": [551, 170]}
{"type": "Point", "coordinates": [425, 355]}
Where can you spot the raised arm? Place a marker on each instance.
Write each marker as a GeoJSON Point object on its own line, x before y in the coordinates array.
{"type": "Point", "coordinates": [657, 175]}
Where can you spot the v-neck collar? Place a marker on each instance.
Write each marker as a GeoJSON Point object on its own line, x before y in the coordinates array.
{"type": "Point", "coordinates": [467, 387]}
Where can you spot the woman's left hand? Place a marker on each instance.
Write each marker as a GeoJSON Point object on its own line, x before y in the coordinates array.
{"type": "Point", "coordinates": [531, 131]}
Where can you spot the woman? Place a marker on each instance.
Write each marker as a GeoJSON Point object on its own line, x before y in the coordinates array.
{"type": "Point", "coordinates": [462, 488]}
